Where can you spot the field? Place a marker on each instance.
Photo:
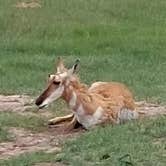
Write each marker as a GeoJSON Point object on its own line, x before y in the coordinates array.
{"type": "Point", "coordinates": [115, 40]}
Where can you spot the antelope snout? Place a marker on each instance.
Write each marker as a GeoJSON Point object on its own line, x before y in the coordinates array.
{"type": "Point", "coordinates": [39, 101]}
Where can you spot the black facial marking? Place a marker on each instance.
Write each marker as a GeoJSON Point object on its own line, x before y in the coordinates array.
{"type": "Point", "coordinates": [56, 82]}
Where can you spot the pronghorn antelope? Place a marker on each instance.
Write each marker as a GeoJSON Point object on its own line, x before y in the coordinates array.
{"type": "Point", "coordinates": [101, 103]}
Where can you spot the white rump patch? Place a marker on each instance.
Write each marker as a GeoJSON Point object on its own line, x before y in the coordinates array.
{"type": "Point", "coordinates": [126, 114]}
{"type": "Point", "coordinates": [96, 84]}
{"type": "Point", "coordinates": [54, 95]}
{"type": "Point", "coordinates": [72, 102]}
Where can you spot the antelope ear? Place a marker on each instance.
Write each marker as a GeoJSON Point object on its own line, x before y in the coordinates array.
{"type": "Point", "coordinates": [60, 66]}
{"type": "Point", "coordinates": [74, 68]}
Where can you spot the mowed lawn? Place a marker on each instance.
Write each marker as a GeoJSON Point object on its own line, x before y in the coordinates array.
{"type": "Point", "coordinates": [115, 40]}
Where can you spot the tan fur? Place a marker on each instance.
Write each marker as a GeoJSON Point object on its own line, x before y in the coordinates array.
{"type": "Point", "coordinates": [115, 91]}
{"type": "Point", "coordinates": [112, 100]}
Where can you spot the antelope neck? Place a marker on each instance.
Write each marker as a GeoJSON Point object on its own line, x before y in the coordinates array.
{"type": "Point", "coordinates": [71, 95]}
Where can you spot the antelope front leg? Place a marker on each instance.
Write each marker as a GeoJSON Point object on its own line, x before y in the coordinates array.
{"type": "Point", "coordinates": [60, 119]}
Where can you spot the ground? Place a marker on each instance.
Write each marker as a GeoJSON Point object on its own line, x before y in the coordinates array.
{"type": "Point", "coordinates": [27, 139]}
{"type": "Point", "coordinates": [24, 139]}
{"type": "Point", "coordinates": [115, 40]}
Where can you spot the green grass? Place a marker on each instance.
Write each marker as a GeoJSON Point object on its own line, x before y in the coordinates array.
{"type": "Point", "coordinates": [115, 39]}
{"type": "Point", "coordinates": [141, 143]}
{"type": "Point", "coordinates": [4, 135]}
{"type": "Point", "coordinates": [36, 124]}
{"type": "Point", "coordinates": [29, 159]}
{"type": "Point", "coordinates": [33, 123]}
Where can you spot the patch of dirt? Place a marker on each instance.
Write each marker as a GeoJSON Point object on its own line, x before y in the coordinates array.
{"type": "Point", "coordinates": [49, 141]}
{"type": "Point", "coordinates": [21, 104]}
{"type": "Point", "coordinates": [31, 4]}
{"type": "Point", "coordinates": [159, 141]}
{"type": "Point", "coordinates": [15, 103]}
{"type": "Point", "coordinates": [25, 141]}
{"type": "Point", "coordinates": [48, 164]}
{"type": "Point", "coordinates": [150, 109]}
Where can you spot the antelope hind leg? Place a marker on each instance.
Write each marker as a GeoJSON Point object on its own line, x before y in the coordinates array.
{"type": "Point", "coordinates": [71, 125]}
{"type": "Point", "coordinates": [60, 119]}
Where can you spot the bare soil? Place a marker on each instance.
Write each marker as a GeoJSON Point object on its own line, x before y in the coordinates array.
{"type": "Point", "coordinates": [15, 103]}
{"type": "Point", "coordinates": [27, 141]}
{"type": "Point", "coordinates": [31, 4]}
{"type": "Point", "coordinates": [21, 104]}
{"type": "Point", "coordinates": [49, 164]}
{"type": "Point", "coordinates": [52, 139]}
{"type": "Point", "coordinates": [150, 109]}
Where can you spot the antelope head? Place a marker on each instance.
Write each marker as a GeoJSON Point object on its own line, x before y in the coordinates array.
{"type": "Point", "coordinates": [56, 84]}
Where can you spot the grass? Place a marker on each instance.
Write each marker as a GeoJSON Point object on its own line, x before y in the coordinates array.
{"type": "Point", "coordinates": [33, 123]}
{"type": "Point", "coordinates": [115, 40]}
{"type": "Point", "coordinates": [29, 159]}
{"type": "Point", "coordinates": [36, 124]}
{"type": "Point", "coordinates": [138, 143]}
{"type": "Point", "coordinates": [4, 135]}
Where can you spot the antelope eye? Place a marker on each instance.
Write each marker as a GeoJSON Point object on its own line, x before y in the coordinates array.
{"type": "Point", "coordinates": [56, 82]}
